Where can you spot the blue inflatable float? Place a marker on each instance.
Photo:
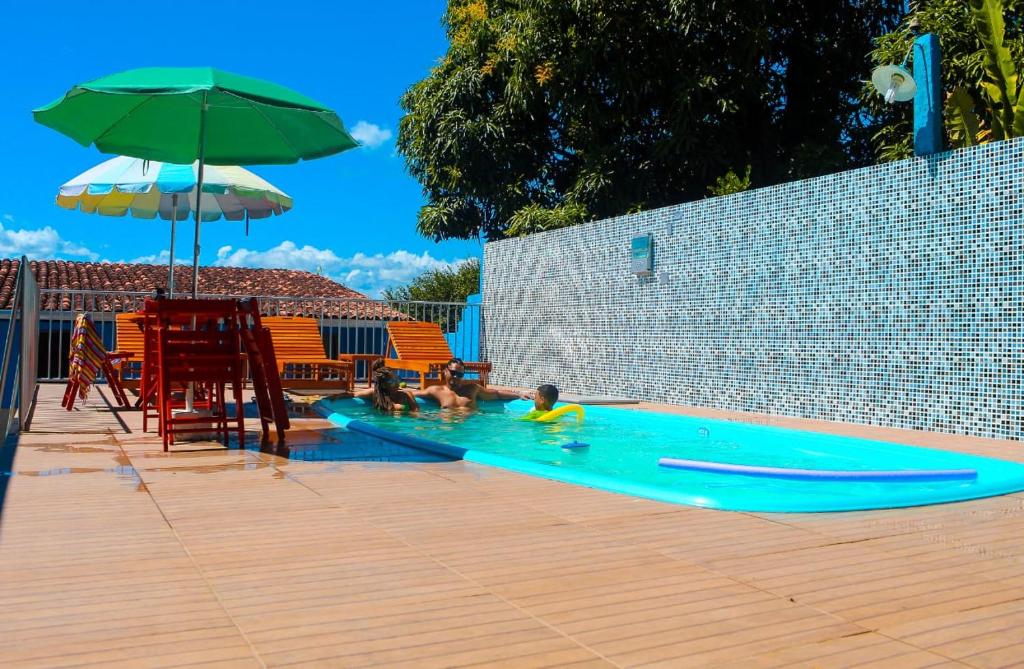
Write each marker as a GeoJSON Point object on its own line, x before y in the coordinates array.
{"type": "Point", "coordinates": [893, 475]}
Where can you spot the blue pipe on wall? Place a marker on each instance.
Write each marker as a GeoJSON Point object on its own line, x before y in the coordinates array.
{"type": "Point", "coordinates": [928, 135]}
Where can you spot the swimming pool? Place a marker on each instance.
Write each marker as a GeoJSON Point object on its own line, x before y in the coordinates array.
{"type": "Point", "coordinates": [625, 445]}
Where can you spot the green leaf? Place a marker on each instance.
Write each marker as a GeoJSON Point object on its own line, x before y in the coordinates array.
{"type": "Point", "coordinates": [534, 218]}
{"type": "Point", "coordinates": [731, 183]}
{"type": "Point", "coordinates": [1000, 70]}
{"type": "Point", "coordinates": [961, 121]}
{"type": "Point", "coordinates": [1018, 118]}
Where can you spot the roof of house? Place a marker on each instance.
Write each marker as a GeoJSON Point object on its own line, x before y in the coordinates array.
{"type": "Point", "coordinates": [110, 281]}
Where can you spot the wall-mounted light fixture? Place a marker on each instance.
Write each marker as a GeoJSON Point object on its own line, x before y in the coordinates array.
{"type": "Point", "coordinates": [894, 83]}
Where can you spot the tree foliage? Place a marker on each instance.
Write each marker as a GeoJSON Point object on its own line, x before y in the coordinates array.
{"type": "Point", "coordinates": [730, 183]}
{"type": "Point", "coordinates": [545, 113]}
{"type": "Point", "coordinates": [982, 44]}
{"type": "Point", "coordinates": [445, 284]}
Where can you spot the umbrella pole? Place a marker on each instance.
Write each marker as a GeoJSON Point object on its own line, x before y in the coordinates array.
{"type": "Point", "coordinates": [170, 269]}
{"type": "Point", "coordinates": [199, 197]}
{"type": "Point", "coordinates": [190, 394]}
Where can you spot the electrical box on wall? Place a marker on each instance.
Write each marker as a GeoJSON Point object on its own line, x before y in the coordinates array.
{"type": "Point", "coordinates": [642, 255]}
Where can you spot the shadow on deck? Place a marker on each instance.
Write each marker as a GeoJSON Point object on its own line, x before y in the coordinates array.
{"type": "Point", "coordinates": [98, 414]}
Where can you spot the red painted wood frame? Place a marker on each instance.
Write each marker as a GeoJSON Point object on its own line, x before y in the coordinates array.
{"type": "Point", "coordinates": [207, 357]}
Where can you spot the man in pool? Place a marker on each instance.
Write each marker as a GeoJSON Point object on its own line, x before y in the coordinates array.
{"type": "Point", "coordinates": [457, 393]}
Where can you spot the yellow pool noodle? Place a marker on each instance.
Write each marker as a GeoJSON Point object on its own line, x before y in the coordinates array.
{"type": "Point", "coordinates": [561, 411]}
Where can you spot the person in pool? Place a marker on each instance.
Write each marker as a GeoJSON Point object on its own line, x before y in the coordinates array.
{"type": "Point", "coordinates": [457, 393]}
{"type": "Point", "coordinates": [387, 395]}
{"type": "Point", "coordinates": [544, 399]}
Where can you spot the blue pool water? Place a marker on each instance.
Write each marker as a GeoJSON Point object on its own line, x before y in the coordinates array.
{"type": "Point", "coordinates": [624, 447]}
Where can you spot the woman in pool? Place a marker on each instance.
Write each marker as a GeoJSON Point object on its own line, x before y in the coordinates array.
{"type": "Point", "coordinates": [386, 395]}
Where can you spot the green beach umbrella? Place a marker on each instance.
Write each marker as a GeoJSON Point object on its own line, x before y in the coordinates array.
{"type": "Point", "coordinates": [186, 114]}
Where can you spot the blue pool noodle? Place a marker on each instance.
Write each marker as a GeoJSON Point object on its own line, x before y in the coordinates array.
{"type": "Point", "coordinates": [893, 475]}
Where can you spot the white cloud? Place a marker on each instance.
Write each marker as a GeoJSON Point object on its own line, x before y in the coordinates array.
{"type": "Point", "coordinates": [370, 134]}
{"type": "Point", "coordinates": [9, 217]}
{"type": "Point", "coordinates": [44, 243]}
{"type": "Point", "coordinates": [284, 255]}
{"type": "Point", "coordinates": [161, 258]}
{"type": "Point", "coordinates": [369, 274]}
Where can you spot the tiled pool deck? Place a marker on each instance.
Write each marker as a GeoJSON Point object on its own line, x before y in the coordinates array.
{"type": "Point", "coordinates": [114, 554]}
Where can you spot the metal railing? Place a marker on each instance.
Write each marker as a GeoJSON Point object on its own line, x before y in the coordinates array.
{"type": "Point", "coordinates": [17, 383]}
{"type": "Point", "coordinates": [353, 326]}
{"type": "Point", "coordinates": [29, 345]}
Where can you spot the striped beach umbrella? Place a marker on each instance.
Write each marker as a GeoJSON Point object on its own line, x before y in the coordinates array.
{"type": "Point", "coordinates": [145, 189]}
{"type": "Point", "coordinates": [181, 114]}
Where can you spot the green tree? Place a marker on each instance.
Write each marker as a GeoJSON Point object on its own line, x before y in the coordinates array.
{"type": "Point", "coordinates": [546, 113]}
{"type": "Point", "coordinates": [978, 72]}
{"type": "Point", "coordinates": [445, 284]}
{"type": "Point", "coordinates": [730, 183]}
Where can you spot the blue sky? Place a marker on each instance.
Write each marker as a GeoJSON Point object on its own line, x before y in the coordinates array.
{"type": "Point", "coordinates": [355, 213]}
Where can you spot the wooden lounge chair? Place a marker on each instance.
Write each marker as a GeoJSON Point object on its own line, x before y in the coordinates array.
{"type": "Point", "coordinates": [130, 347]}
{"type": "Point", "coordinates": [301, 360]}
{"type": "Point", "coordinates": [421, 347]}
{"type": "Point", "coordinates": [136, 370]}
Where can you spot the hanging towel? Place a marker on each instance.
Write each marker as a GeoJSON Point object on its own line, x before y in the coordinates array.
{"type": "Point", "coordinates": [87, 354]}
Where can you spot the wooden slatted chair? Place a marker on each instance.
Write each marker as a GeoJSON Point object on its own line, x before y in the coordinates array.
{"type": "Point", "coordinates": [136, 367]}
{"type": "Point", "coordinates": [301, 360]}
{"type": "Point", "coordinates": [266, 385]}
{"type": "Point", "coordinates": [208, 357]}
{"type": "Point", "coordinates": [136, 364]}
{"type": "Point", "coordinates": [420, 347]}
{"type": "Point", "coordinates": [130, 347]}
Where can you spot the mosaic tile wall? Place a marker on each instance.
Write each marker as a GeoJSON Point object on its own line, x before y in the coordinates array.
{"type": "Point", "coordinates": [891, 295]}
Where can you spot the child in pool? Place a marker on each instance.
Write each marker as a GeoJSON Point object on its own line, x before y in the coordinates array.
{"type": "Point", "coordinates": [543, 401]}
{"type": "Point", "coordinates": [387, 395]}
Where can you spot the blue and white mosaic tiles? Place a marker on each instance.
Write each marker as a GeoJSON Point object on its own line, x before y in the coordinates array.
{"type": "Point", "coordinates": [891, 295]}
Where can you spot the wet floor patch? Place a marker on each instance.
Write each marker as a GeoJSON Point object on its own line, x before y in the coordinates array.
{"type": "Point", "coordinates": [247, 466]}
{"type": "Point", "coordinates": [66, 448]}
{"type": "Point", "coordinates": [124, 473]}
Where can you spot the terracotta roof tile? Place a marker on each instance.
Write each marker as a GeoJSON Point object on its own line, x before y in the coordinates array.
{"type": "Point", "coordinates": [235, 281]}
